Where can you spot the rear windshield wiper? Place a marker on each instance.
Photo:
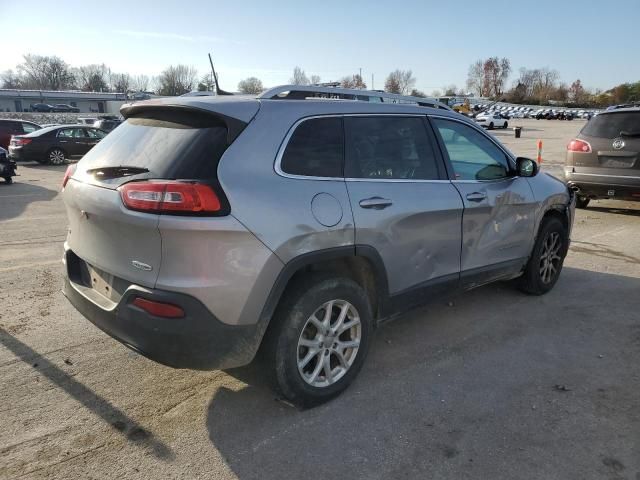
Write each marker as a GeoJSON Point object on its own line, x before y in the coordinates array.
{"type": "Point", "coordinates": [105, 173]}
{"type": "Point", "coordinates": [625, 133]}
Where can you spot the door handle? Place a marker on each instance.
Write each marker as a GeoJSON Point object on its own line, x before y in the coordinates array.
{"type": "Point", "coordinates": [476, 196]}
{"type": "Point", "coordinates": [377, 203]}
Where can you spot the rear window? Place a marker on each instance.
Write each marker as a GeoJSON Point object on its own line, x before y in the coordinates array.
{"type": "Point", "coordinates": [609, 125]}
{"type": "Point", "coordinates": [169, 146]}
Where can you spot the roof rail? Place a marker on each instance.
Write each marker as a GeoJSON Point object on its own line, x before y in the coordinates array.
{"type": "Point", "coordinates": [303, 92]}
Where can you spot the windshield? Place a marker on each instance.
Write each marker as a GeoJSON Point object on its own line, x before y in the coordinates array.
{"type": "Point", "coordinates": [609, 125]}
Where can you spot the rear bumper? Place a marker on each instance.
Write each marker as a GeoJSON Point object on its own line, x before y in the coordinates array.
{"type": "Point", "coordinates": [196, 341]}
{"type": "Point", "coordinates": [604, 186]}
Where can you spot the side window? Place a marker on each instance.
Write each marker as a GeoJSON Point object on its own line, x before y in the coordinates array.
{"type": "Point", "coordinates": [315, 149]}
{"type": "Point", "coordinates": [472, 155]}
{"type": "Point", "coordinates": [94, 133]}
{"type": "Point", "coordinates": [66, 133]}
{"type": "Point", "coordinates": [28, 128]}
{"type": "Point", "coordinates": [389, 148]}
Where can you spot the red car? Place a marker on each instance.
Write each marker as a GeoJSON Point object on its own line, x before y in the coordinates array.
{"type": "Point", "coordinates": [9, 127]}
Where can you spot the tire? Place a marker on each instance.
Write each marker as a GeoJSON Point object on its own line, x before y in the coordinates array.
{"type": "Point", "coordinates": [56, 156]}
{"type": "Point", "coordinates": [8, 180]}
{"type": "Point", "coordinates": [582, 202]}
{"type": "Point", "coordinates": [506, 125]}
{"type": "Point", "coordinates": [491, 126]}
{"type": "Point", "coordinates": [299, 371]}
{"type": "Point", "coordinates": [545, 264]}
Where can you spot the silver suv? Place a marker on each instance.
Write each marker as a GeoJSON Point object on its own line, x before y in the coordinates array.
{"type": "Point", "coordinates": [205, 232]}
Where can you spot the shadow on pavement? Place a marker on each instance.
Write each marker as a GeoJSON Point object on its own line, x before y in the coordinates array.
{"type": "Point", "coordinates": [15, 198]}
{"type": "Point", "coordinates": [634, 212]}
{"type": "Point", "coordinates": [465, 390]}
{"type": "Point", "coordinates": [116, 419]}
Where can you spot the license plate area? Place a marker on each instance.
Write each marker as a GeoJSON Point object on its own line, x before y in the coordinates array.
{"type": "Point", "coordinates": [617, 162]}
{"type": "Point", "coordinates": [103, 283]}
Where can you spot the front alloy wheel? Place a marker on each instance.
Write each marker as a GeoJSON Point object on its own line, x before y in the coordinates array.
{"type": "Point", "coordinates": [550, 259]}
{"type": "Point", "coordinates": [329, 343]}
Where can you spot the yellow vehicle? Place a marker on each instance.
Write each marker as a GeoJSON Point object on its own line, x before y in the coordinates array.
{"type": "Point", "coordinates": [458, 104]}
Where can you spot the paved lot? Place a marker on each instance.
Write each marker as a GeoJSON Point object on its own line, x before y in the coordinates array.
{"type": "Point", "coordinates": [494, 385]}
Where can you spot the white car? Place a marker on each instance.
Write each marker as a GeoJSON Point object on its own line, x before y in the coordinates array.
{"type": "Point", "coordinates": [492, 120]}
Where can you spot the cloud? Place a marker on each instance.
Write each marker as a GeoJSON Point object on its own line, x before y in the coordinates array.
{"type": "Point", "coordinates": [176, 36]}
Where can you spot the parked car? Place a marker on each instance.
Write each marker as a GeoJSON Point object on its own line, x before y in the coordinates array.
{"type": "Point", "coordinates": [107, 124]}
{"type": "Point", "coordinates": [54, 145]}
{"type": "Point", "coordinates": [63, 107]}
{"type": "Point", "coordinates": [178, 253]}
{"type": "Point", "coordinates": [603, 161]}
{"type": "Point", "coordinates": [41, 107]}
{"type": "Point", "coordinates": [492, 120]}
{"type": "Point", "coordinates": [9, 127]}
{"type": "Point", "coordinates": [86, 120]}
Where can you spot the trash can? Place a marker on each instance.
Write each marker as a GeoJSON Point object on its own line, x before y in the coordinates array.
{"type": "Point", "coordinates": [517, 131]}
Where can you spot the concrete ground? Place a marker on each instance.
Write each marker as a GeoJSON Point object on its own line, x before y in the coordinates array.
{"type": "Point", "coordinates": [492, 385]}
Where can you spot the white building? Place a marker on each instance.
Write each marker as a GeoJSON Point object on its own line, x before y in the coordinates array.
{"type": "Point", "coordinates": [88, 102]}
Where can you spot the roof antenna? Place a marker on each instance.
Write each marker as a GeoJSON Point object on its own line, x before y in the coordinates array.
{"type": "Point", "coordinates": [219, 91]}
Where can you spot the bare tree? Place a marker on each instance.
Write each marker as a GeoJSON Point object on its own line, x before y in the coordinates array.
{"type": "Point", "coordinates": [436, 93]}
{"type": "Point", "coordinates": [417, 93]}
{"type": "Point", "coordinates": [475, 78]}
{"type": "Point", "coordinates": [251, 85]}
{"type": "Point", "coordinates": [93, 78]}
{"type": "Point", "coordinates": [315, 79]}
{"type": "Point", "coordinates": [400, 81]}
{"type": "Point", "coordinates": [177, 80]}
{"type": "Point", "coordinates": [140, 83]}
{"type": "Point", "coordinates": [353, 81]}
{"type": "Point", "coordinates": [206, 83]}
{"type": "Point", "coordinates": [49, 73]}
{"type": "Point", "coordinates": [577, 93]}
{"type": "Point", "coordinates": [299, 77]}
{"type": "Point", "coordinates": [450, 90]}
{"type": "Point", "coordinates": [122, 82]}
{"type": "Point", "coordinates": [11, 79]}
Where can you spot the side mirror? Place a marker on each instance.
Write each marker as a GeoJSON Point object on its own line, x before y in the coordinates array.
{"type": "Point", "coordinates": [525, 167]}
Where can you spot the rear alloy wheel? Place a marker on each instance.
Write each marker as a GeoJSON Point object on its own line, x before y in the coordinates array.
{"type": "Point", "coordinates": [318, 339]}
{"type": "Point", "coordinates": [545, 264]}
{"type": "Point", "coordinates": [56, 156]}
{"type": "Point", "coordinates": [582, 202]}
{"type": "Point", "coordinates": [9, 180]}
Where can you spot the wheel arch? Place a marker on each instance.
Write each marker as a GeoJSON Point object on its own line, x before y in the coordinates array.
{"type": "Point", "coordinates": [361, 263]}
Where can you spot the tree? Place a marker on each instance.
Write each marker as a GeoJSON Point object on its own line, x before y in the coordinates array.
{"type": "Point", "coordinates": [577, 92]}
{"type": "Point", "coordinates": [206, 83]}
{"type": "Point", "coordinates": [251, 85]}
{"type": "Point", "coordinates": [353, 81]}
{"type": "Point", "coordinates": [121, 82]}
{"type": "Point", "coordinates": [475, 79]}
{"type": "Point", "coordinates": [10, 79]}
{"type": "Point", "coordinates": [46, 73]}
{"type": "Point", "coordinates": [315, 79]}
{"type": "Point", "coordinates": [400, 81]}
{"type": "Point", "coordinates": [417, 93]}
{"type": "Point", "coordinates": [140, 83]}
{"type": "Point", "coordinates": [93, 78]}
{"type": "Point", "coordinates": [177, 80]}
{"type": "Point", "coordinates": [299, 77]}
{"type": "Point", "coordinates": [450, 90]}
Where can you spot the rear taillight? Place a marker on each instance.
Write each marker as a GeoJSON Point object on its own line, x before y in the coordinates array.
{"type": "Point", "coordinates": [579, 146]}
{"type": "Point", "coordinates": [159, 309]}
{"type": "Point", "coordinates": [20, 141]}
{"type": "Point", "coordinates": [68, 174]}
{"type": "Point", "coordinates": [170, 197]}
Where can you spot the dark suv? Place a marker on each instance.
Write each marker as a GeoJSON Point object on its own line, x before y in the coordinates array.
{"type": "Point", "coordinates": [603, 161]}
{"type": "Point", "coordinates": [10, 127]}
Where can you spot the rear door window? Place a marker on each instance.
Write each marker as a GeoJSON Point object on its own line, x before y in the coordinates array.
{"type": "Point", "coordinates": [389, 148]}
{"type": "Point", "coordinates": [610, 125]}
{"type": "Point", "coordinates": [169, 145]}
{"type": "Point", "coordinates": [315, 149]}
{"type": "Point", "coordinates": [71, 133]}
{"type": "Point", "coordinates": [28, 128]}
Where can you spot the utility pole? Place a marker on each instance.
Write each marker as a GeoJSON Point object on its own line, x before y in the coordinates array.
{"type": "Point", "coordinates": [372, 87]}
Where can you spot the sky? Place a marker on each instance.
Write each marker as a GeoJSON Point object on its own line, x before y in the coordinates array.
{"type": "Point", "coordinates": [594, 41]}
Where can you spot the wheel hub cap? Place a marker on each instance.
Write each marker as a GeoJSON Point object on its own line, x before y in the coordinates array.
{"type": "Point", "coordinates": [329, 343]}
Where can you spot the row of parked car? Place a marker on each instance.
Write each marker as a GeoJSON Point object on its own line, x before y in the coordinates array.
{"type": "Point", "coordinates": [53, 144]}
{"type": "Point", "coordinates": [515, 111]}
{"type": "Point", "coordinates": [58, 107]}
